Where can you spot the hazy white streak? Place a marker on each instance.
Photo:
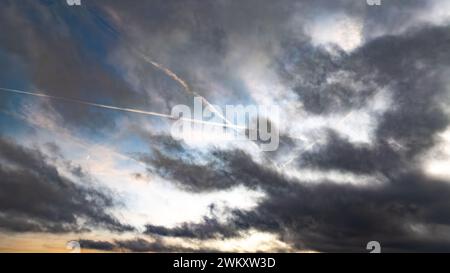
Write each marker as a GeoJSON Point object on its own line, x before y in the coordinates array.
{"type": "Point", "coordinates": [137, 111]}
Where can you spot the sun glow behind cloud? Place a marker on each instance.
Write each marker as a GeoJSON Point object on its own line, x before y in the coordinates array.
{"type": "Point", "coordinates": [339, 29]}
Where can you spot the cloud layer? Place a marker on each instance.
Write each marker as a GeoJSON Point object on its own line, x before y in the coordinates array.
{"type": "Point", "coordinates": [35, 197]}
{"type": "Point", "coordinates": [363, 92]}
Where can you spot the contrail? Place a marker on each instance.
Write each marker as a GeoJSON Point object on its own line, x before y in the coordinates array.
{"type": "Point", "coordinates": [183, 83]}
{"type": "Point", "coordinates": [131, 110]}
{"type": "Point", "coordinates": [186, 87]}
{"type": "Point", "coordinates": [169, 73]}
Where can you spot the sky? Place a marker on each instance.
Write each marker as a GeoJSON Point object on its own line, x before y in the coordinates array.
{"type": "Point", "coordinates": [364, 124]}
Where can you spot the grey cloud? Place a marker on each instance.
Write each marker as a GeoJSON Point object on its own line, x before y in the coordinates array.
{"type": "Point", "coordinates": [333, 217]}
{"type": "Point", "coordinates": [142, 245]}
{"type": "Point", "coordinates": [413, 67]}
{"type": "Point", "coordinates": [209, 228]}
{"type": "Point", "coordinates": [330, 217]}
{"type": "Point", "coordinates": [97, 245]}
{"type": "Point", "coordinates": [416, 67]}
{"type": "Point", "coordinates": [407, 213]}
{"type": "Point", "coordinates": [35, 197]}
{"type": "Point", "coordinates": [224, 170]}
{"type": "Point", "coordinates": [138, 245]}
{"type": "Point", "coordinates": [340, 154]}
{"type": "Point", "coordinates": [394, 17]}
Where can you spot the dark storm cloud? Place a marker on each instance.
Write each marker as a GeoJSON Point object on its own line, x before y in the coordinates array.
{"type": "Point", "coordinates": [414, 68]}
{"type": "Point", "coordinates": [224, 170]}
{"type": "Point", "coordinates": [332, 217]}
{"type": "Point", "coordinates": [35, 197]}
{"type": "Point", "coordinates": [98, 245]}
{"type": "Point", "coordinates": [407, 213]}
{"type": "Point", "coordinates": [209, 228]}
{"type": "Point", "coordinates": [340, 154]}
{"type": "Point", "coordinates": [307, 68]}
{"type": "Point", "coordinates": [138, 245]}
{"type": "Point", "coordinates": [142, 245]}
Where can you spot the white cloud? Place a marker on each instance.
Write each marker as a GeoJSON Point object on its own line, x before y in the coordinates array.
{"type": "Point", "coordinates": [437, 161]}
{"type": "Point", "coordinates": [338, 29]}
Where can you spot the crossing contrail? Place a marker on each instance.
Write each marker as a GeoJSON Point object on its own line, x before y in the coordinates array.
{"type": "Point", "coordinates": [183, 83]}
{"type": "Point", "coordinates": [187, 89]}
{"type": "Point", "coordinates": [123, 109]}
